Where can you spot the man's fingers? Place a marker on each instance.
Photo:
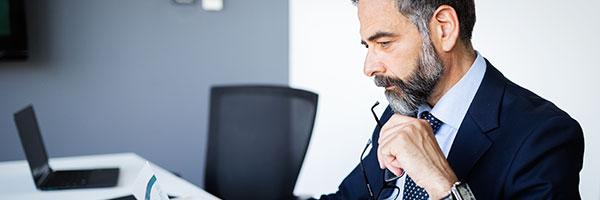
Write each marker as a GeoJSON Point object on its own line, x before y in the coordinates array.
{"type": "Point", "coordinates": [393, 166]}
{"type": "Point", "coordinates": [395, 163]}
{"type": "Point", "coordinates": [386, 158]}
{"type": "Point", "coordinates": [385, 137]}
{"type": "Point", "coordinates": [396, 171]}
{"type": "Point", "coordinates": [391, 133]}
{"type": "Point", "coordinates": [391, 128]}
{"type": "Point", "coordinates": [385, 130]}
{"type": "Point", "coordinates": [393, 123]}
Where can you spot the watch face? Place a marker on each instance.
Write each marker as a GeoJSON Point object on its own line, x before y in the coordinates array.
{"type": "Point", "coordinates": [464, 191]}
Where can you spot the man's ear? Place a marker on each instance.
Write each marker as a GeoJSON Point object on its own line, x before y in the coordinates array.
{"type": "Point", "coordinates": [445, 27]}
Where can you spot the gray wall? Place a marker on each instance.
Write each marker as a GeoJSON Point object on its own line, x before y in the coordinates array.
{"type": "Point", "coordinates": [108, 76]}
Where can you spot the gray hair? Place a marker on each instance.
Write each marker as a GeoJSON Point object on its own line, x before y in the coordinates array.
{"type": "Point", "coordinates": [420, 12]}
{"type": "Point", "coordinates": [417, 88]}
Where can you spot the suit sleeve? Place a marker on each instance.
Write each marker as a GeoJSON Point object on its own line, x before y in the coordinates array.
{"type": "Point", "coordinates": [548, 163]}
{"type": "Point", "coordinates": [353, 186]}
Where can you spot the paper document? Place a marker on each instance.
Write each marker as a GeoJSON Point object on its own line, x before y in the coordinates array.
{"type": "Point", "coordinates": [146, 185]}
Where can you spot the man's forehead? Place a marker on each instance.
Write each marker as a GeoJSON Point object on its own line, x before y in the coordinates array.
{"type": "Point", "coordinates": [379, 16]}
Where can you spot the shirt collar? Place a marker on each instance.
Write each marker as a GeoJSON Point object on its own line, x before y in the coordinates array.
{"type": "Point", "coordinates": [453, 106]}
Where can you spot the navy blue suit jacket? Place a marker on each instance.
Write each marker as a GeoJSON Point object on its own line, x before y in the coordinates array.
{"type": "Point", "coordinates": [512, 144]}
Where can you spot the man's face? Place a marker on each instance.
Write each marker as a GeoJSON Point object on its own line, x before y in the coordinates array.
{"type": "Point", "coordinates": [400, 59]}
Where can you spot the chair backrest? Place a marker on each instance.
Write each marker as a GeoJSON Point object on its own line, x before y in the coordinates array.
{"type": "Point", "coordinates": [258, 136]}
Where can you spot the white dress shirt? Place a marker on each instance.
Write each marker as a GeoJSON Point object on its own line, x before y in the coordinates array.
{"type": "Point", "coordinates": [451, 109]}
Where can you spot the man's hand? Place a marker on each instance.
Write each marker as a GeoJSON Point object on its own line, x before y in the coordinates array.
{"type": "Point", "coordinates": [408, 144]}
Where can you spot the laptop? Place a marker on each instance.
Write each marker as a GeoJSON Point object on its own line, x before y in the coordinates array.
{"type": "Point", "coordinates": [44, 177]}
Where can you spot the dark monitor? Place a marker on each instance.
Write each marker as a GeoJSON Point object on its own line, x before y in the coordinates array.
{"type": "Point", "coordinates": [13, 30]}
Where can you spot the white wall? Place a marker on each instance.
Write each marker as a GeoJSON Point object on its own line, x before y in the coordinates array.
{"type": "Point", "coordinates": [549, 47]}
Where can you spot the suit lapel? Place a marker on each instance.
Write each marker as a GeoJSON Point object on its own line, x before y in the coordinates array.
{"type": "Point", "coordinates": [469, 145]}
{"type": "Point", "coordinates": [471, 141]}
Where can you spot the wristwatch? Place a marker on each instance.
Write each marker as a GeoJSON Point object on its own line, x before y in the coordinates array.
{"type": "Point", "coordinates": [460, 191]}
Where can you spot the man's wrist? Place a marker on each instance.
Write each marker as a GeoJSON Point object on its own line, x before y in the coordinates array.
{"type": "Point", "coordinates": [443, 188]}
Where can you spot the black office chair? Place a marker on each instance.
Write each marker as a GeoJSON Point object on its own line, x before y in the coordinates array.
{"type": "Point", "coordinates": [258, 136]}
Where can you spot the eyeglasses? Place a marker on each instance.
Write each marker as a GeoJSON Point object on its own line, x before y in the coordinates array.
{"type": "Point", "coordinates": [389, 186]}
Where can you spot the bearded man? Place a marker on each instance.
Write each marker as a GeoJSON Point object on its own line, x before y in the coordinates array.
{"type": "Point", "coordinates": [455, 127]}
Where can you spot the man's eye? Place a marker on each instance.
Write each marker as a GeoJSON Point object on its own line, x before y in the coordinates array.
{"type": "Point", "coordinates": [384, 44]}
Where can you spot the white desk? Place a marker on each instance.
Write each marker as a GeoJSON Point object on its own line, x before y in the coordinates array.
{"type": "Point", "coordinates": [16, 181]}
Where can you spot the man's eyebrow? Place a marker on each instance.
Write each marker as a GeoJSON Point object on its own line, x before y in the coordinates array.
{"type": "Point", "coordinates": [377, 35]}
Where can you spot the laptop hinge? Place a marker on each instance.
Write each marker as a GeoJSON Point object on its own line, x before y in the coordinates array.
{"type": "Point", "coordinates": [41, 174]}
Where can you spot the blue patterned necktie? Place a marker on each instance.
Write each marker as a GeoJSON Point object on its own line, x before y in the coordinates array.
{"type": "Point", "coordinates": [411, 190]}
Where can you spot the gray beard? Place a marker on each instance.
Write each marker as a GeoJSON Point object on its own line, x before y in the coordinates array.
{"type": "Point", "coordinates": [407, 95]}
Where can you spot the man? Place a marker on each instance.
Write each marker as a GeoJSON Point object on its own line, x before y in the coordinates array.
{"type": "Point", "coordinates": [455, 126]}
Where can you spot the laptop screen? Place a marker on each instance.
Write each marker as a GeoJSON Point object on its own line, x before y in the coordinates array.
{"type": "Point", "coordinates": [31, 139]}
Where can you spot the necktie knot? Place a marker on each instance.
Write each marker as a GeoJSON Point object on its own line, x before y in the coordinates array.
{"type": "Point", "coordinates": [435, 123]}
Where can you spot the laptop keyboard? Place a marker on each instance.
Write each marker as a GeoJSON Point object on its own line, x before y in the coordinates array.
{"type": "Point", "coordinates": [70, 178]}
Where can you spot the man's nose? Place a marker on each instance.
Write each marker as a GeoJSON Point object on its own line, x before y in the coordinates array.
{"type": "Point", "coordinates": [373, 65]}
